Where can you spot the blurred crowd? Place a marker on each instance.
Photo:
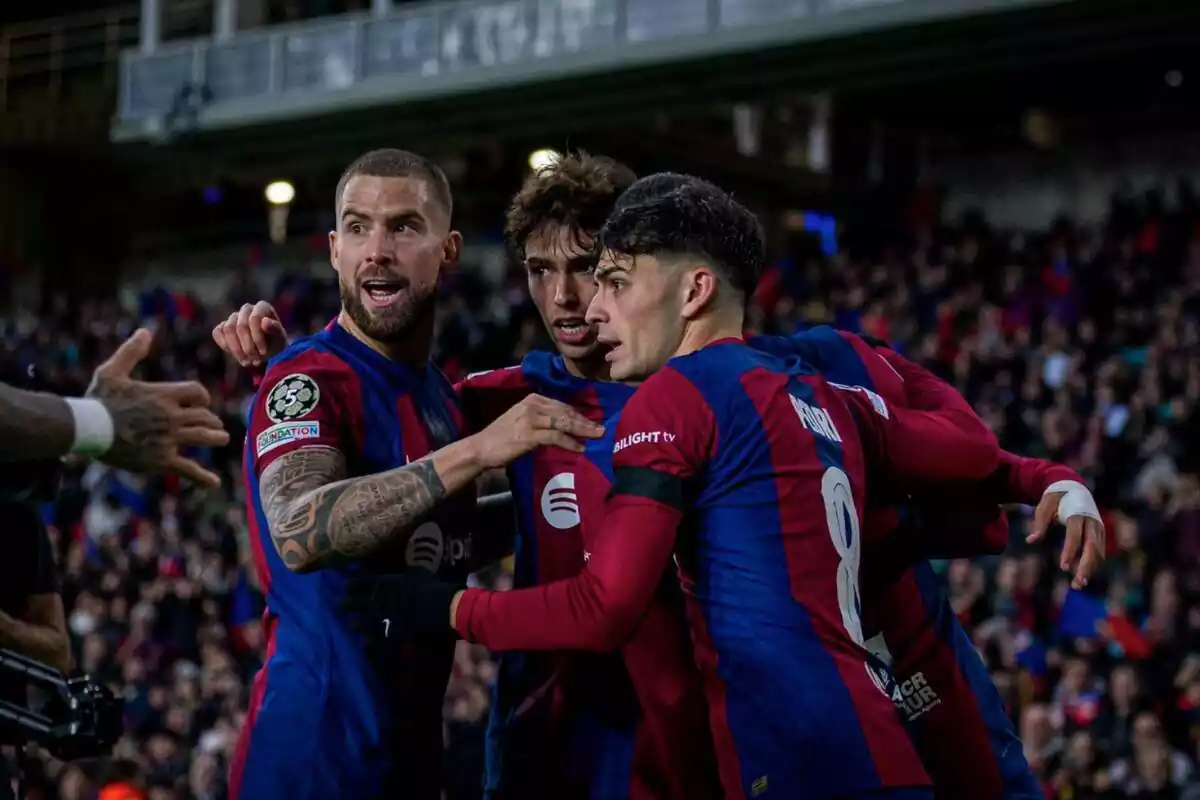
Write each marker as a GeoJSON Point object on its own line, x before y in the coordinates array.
{"type": "Point", "coordinates": [1079, 345]}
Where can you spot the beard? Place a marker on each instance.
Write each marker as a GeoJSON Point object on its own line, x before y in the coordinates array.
{"type": "Point", "coordinates": [391, 325]}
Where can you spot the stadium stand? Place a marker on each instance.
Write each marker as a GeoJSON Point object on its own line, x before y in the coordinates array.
{"type": "Point", "coordinates": [1076, 338]}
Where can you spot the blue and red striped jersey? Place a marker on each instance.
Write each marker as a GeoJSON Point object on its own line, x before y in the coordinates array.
{"type": "Point", "coordinates": [758, 465]}
{"type": "Point", "coordinates": [568, 724]}
{"type": "Point", "coordinates": [544, 734]}
{"type": "Point", "coordinates": [958, 719]}
{"type": "Point", "coordinates": [366, 727]}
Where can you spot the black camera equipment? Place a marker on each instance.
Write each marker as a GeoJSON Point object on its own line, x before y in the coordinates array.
{"type": "Point", "coordinates": [78, 718]}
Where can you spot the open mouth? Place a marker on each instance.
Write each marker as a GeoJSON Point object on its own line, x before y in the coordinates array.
{"type": "Point", "coordinates": [613, 346]}
{"type": "Point", "coordinates": [382, 292]}
{"type": "Point", "coordinates": [573, 330]}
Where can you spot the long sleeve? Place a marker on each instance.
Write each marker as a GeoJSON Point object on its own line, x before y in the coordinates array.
{"type": "Point", "coordinates": [595, 610]}
{"type": "Point", "coordinates": [1025, 480]}
{"type": "Point", "coordinates": [657, 448]}
{"type": "Point", "coordinates": [925, 446]}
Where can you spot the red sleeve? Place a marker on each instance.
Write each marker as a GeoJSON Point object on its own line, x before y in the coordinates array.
{"type": "Point", "coordinates": [658, 447]}
{"type": "Point", "coordinates": [487, 395]}
{"type": "Point", "coordinates": [886, 380]}
{"type": "Point", "coordinates": [311, 400]}
{"type": "Point", "coordinates": [1025, 480]}
{"type": "Point", "coordinates": [929, 446]}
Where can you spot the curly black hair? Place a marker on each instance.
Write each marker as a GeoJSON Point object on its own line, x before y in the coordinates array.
{"type": "Point", "coordinates": [577, 190]}
{"type": "Point", "coordinates": [694, 218]}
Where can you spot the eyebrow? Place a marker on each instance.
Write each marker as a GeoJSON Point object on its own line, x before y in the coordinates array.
{"type": "Point", "coordinates": [397, 217]}
{"type": "Point", "coordinates": [603, 272]}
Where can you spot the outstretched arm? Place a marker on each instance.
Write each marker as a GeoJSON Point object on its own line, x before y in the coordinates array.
{"type": "Point", "coordinates": [305, 427]}
{"type": "Point", "coordinates": [34, 425]}
{"type": "Point", "coordinates": [598, 609]}
{"type": "Point", "coordinates": [319, 516]}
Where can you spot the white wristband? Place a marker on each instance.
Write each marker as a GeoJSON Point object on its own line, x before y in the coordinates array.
{"type": "Point", "coordinates": [94, 432]}
{"type": "Point", "coordinates": [1076, 501]}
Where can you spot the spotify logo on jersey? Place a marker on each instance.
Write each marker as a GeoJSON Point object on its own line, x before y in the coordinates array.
{"type": "Point", "coordinates": [560, 504]}
{"type": "Point", "coordinates": [425, 547]}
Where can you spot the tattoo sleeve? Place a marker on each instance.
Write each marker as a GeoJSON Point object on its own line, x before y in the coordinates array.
{"type": "Point", "coordinates": [318, 516]}
{"type": "Point", "coordinates": [33, 425]}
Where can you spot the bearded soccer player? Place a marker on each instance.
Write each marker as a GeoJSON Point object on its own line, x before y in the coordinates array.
{"type": "Point", "coordinates": [354, 465]}
{"type": "Point", "coordinates": [567, 725]}
{"type": "Point", "coordinates": [548, 225]}
{"type": "Point", "coordinates": [743, 450]}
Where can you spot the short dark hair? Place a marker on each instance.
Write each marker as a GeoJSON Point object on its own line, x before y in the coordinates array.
{"type": "Point", "coordinates": [577, 190]}
{"type": "Point", "coordinates": [393, 163]}
{"type": "Point", "coordinates": [656, 185]}
{"type": "Point", "coordinates": [697, 219]}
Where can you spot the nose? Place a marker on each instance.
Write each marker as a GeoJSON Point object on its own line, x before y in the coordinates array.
{"type": "Point", "coordinates": [565, 294]}
{"type": "Point", "coordinates": [379, 246]}
{"type": "Point", "coordinates": [596, 312]}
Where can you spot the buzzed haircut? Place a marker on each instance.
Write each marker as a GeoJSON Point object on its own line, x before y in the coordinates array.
{"type": "Point", "coordinates": [577, 190]}
{"type": "Point", "coordinates": [695, 219]}
{"type": "Point", "coordinates": [393, 163]}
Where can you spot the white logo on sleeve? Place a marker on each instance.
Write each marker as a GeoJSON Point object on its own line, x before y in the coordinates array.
{"type": "Point", "coordinates": [425, 547]}
{"type": "Point", "coordinates": [877, 402]}
{"type": "Point", "coordinates": [643, 437]}
{"type": "Point", "coordinates": [560, 503]}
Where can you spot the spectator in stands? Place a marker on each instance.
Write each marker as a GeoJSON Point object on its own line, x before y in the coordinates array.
{"type": "Point", "coordinates": [1073, 344]}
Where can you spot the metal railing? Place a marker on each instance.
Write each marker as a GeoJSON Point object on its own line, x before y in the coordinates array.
{"type": "Point", "coordinates": [46, 52]}
{"type": "Point", "coordinates": [438, 47]}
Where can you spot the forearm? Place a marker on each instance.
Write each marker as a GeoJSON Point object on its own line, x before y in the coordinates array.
{"type": "Point", "coordinates": [39, 642]}
{"type": "Point", "coordinates": [1025, 480]}
{"type": "Point", "coordinates": [34, 425]}
{"type": "Point", "coordinates": [595, 611]}
{"type": "Point", "coordinates": [352, 518]}
{"type": "Point", "coordinates": [933, 446]}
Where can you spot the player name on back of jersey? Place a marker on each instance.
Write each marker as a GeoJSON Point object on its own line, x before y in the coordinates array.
{"type": "Point", "coordinates": [816, 419]}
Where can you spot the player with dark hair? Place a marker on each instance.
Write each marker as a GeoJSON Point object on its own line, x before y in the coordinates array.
{"type": "Point", "coordinates": [354, 465]}
{"type": "Point", "coordinates": [566, 725]}
{"type": "Point", "coordinates": [551, 195]}
{"type": "Point", "coordinates": [759, 465]}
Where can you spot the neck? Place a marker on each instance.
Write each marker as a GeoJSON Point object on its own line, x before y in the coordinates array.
{"type": "Point", "coordinates": [591, 368]}
{"type": "Point", "coordinates": [704, 331]}
{"type": "Point", "coordinates": [412, 352]}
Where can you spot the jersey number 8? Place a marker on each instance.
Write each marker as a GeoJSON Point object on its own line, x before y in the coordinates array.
{"type": "Point", "coordinates": [842, 518]}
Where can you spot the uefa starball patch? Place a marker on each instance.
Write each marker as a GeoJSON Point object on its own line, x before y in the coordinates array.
{"type": "Point", "coordinates": [294, 397]}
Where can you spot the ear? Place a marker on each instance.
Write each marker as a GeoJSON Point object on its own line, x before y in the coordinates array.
{"type": "Point", "coordinates": [451, 249]}
{"type": "Point", "coordinates": [333, 247]}
{"type": "Point", "coordinates": [699, 290]}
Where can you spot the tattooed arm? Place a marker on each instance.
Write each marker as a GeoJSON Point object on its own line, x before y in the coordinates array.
{"type": "Point", "coordinates": [34, 425]}
{"type": "Point", "coordinates": [148, 424]}
{"type": "Point", "coordinates": [318, 516]}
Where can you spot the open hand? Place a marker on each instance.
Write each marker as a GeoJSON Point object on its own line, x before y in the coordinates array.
{"type": "Point", "coordinates": [532, 423]}
{"type": "Point", "coordinates": [1084, 548]}
{"type": "Point", "coordinates": [153, 422]}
